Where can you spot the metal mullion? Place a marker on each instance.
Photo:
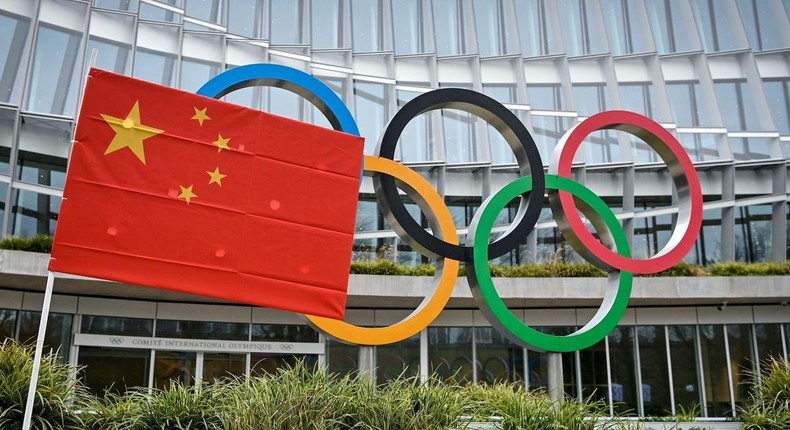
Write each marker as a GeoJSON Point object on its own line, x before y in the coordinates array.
{"type": "Point", "coordinates": [729, 368]}
{"type": "Point", "coordinates": [640, 407]}
{"type": "Point", "coordinates": [669, 370]}
{"type": "Point", "coordinates": [609, 376]}
{"type": "Point", "coordinates": [701, 371]}
{"type": "Point", "coordinates": [784, 340]}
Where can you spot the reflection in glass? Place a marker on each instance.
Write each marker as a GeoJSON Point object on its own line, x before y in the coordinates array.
{"type": "Point", "coordinates": [751, 148]}
{"type": "Point", "coordinates": [369, 105]}
{"type": "Point", "coordinates": [285, 25]}
{"type": "Point", "coordinates": [245, 18]}
{"type": "Point", "coordinates": [42, 169]}
{"type": "Point", "coordinates": [580, 30]}
{"type": "Point", "coordinates": [407, 18]}
{"type": "Point", "coordinates": [153, 13]}
{"type": "Point", "coordinates": [715, 369]}
{"type": "Point", "coordinates": [35, 213]}
{"type": "Point", "coordinates": [545, 96]}
{"type": "Point", "coordinates": [398, 359]}
{"type": "Point", "coordinates": [753, 233]}
{"type": "Point", "coordinates": [448, 27]}
{"type": "Point", "coordinates": [53, 80]}
{"type": "Point", "coordinates": [58, 335]}
{"type": "Point", "coordinates": [736, 105]}
{"type": "Point", "coordinates": [7, 324]}
{"type": "Point", "coordinates": [777, 92]}
{"type": "Point", "coordinates": [493, 35]}
{"type": "Point", "coordinates": [626, 35]}
{"type": "Point", "coordinates": [685, 368]}
{"type": "Point", "coordinates": [416, 143]}
{"type": "Point", "coordinates": [174, 367]}
{"type": "Point", "coordinates": [94, 324]}
{"type": "Point", "coordinates": [202, 330]}
{"type": "Point", "coordinates": [763, 21]}
{"type": "Point", "coordinates": [111, 55]}
{"type": "Point", "coordinates": [537, 365]}
{"type": "Point", "coordinates": [125, 5]}
{"type": "Point", "coordinates": [459, 136]}
{"type": "Point", "coordinates": [547, 131]}
{"type": "Point", "coordinates": [156, 67]}
{"type": "Point", "coordinates": [742, 361]}
{"type": "Point", "coordinates": [450, 353]}
{"type": "Point", "coordinates": [499, 149]}
{"type": "Point", "coordinates": [623, 365]}
{"type": "Point", "coordinates": [113, 370]}
{"type": "Point", "coordinates": [326, 21]}
{"type": "Point", "coordinates": [654, 370]}
{"type": "Point", "coordinates": [769, 341]}
{"type": "Point", "coordinates": [686, 101]}
{"type": "Point", "coordinates": [13, 34]}
{"type": "Point", "coordinates": [283, 333]}
{"type": "Point", "coordinates": [700, 147]}
{"type": "Point", "coordinates": [341, 359]}
{"type": "Point", "coordinates": [217, 367]}
{"type": "Point", "coordinates": [195, 73]}
{"type": "Point", "coordinates": [367, 26]}
{"type": "Point", "coordinates": [670, 26]}
{"type": "Point", "coordinates": [206, 10]}
{"type": "Point", "coordinates": [499, 360]}
{"type": "Point", "coordinates": [536, 28]}
{"type": "Point", "coordinates": [717, 29]}
{"type": "Point", "coordinates": [285, 103]}
{"type": "Point", "coordinates": [595, 381]}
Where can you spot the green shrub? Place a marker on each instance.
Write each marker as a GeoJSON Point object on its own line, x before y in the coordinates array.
{"type": "Point", "coordinates": [58, 395]}
{"type": "Point", "coordinates": [770, 399]}
{"type": "Point", "coordinates": [32, 244]}
{"type": "Point", "coordinates": [683, 269]}
{"type": "Point", "coordinates": [751, 269]}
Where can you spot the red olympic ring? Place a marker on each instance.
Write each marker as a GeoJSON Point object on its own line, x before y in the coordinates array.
{"type": "Point", "coordinates": [684, 176]}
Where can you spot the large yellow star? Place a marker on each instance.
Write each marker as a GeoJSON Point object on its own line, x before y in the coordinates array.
{"type": "Point", "coordinates": [130, 132]}
{"type": "Point", "coordinates": [200, 115]}
{"type": "Point", "coordinates": [216, 177]}
{"type": "Point", "coordinates": [222, 143]}
{"type": "Point", "coordinates": [186, 193]}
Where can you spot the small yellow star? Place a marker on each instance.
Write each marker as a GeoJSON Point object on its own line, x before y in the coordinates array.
{"type": "Point", "coordinates": [200, 115]}
{"type": "Point", "coordinates": [221, 143]}
{"type": "Point", "coordinates": [216, 177]}
{"type": "Point", "coordinates": [186, 193]}
{"type": "Point", "coordinates": [130, 132]}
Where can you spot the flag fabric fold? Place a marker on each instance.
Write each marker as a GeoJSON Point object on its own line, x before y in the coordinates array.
{"type": "Point", "coordinates": [173, 190]}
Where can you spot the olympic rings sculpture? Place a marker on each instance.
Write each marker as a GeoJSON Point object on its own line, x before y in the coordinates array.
{"type": "Point", "coordinates": [611, 252]}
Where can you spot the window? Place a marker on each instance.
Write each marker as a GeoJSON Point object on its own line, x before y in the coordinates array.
{"type": "Point", "coordinates": [736, 105]}
{"type": "Point", "coordinates": [671, 30]}
{"type": "Point", "coordinates": [623, 368]}
{"type": "Point", "coordinates": [153, 13]}
{"type": "Point", "coordinates": [493, 35]}
{"type": "Point", "coordinates": [687, 101]}
{"type": "Point", "coordinates": [536, 27]}
{"type": "Point", "coordinates": [370, 107]}
{"type": "Point", "coordinates": [417, 142]}
{"type": "Point", "coordinates": [640, 97]}
{"type": "Point", "coordinates": [716, 27]}
{"type": "Point", "coordinates": [114, 370]}
{"type": "Point", "coordinates": [13, 33]}
{"type": "Point", "coordinates": [202, 330]}
{"type": "Point", "coordinates": [125, 5]}
{"type": "Point", "coordinates": [626, 33]}
{"type": "Point", "coordinates": [327, 24]}
{"type": "Point", "coordinates": [753, 233]}
{"type": "Point", "coordinates": [112, 56]}
{"type": "Point", "coordinates": [283, 333]}
{"type": "Point", "coordinates": [450, 353]}
{"type": "Point", "coordinates": [448, 27]}
{"type": "Point", "coordinates": [777, 92]}
{"type": "Point", "coordinates": [763, 22]}
{"type": "Point", "coordinates": [547, 131]}
{"type": "Point", "coordinates": [499, 359]}
{"type": "Point", "coordinates": [460, 145]}
{"type": "Point", "coordinates": [500, 150]}
{"type": "Point", "coordinates": [205, 10]}
{"type": "Point", "coordinates": [685, 366]}
{"type": "Point", "coordinates": [58, 335]}
{"type": "Point", "coordinates": [55, 74]}
{"type": "Point", "coordinates": [600, 146]}
{"type": "Point", "coordinates": [595, 375]}
{"type": "Point", "coordinates": [156, 67]}
{"type": "Point", "coordinates": [93, 324]}
{"type": "Point", "coordinates": [7, 324]}
{"type": "Point", "coordinates": [581, 31]}
{"type": "Point", "coordinates": [407, 26]}
{"type": "Point", "coordinates": [195, 73]}
{"type": "Point", "coordinates": [654, 369]}
{"type": "Point", "coordinates": [245, 18]}
{"type": "Point", "coordinates": [398, 359]}
{"type": "Point", "coordinates": [286, 19]}
{"type": "Point", "coordinates": [367, 26]}
{"type": "Point", "coordinates": [545, 96]}
{"type": "Point", "coordinates": [35, 213]}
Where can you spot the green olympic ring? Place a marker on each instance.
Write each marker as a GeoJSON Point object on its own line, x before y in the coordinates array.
{"type": "Point", "coordinates": [618, 290]}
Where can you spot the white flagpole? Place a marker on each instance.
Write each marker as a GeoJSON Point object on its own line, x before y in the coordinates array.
{"type": "Point", "coordinates": [42, 327]}
{"type": "Point", "coordinates": [42, 330]}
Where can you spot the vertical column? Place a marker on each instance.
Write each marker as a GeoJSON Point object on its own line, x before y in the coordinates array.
{"type": "Point", "coordinates": [556, 383]}
{"type": "Point", "coordinates": [779, 215]}
{"type": "Point", "coordinates": [728, 214]}
{"type": "Point", "coordinates": [367, 362]}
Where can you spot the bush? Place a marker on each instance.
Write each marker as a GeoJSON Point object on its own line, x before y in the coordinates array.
{"type": "Point", "coordinates": [751, 269]}
{"type": "Point", "coordinates": [32, 244]}
{"type": "Point", "coordinates": [58, 395]}
{"type": "Point", "coordinates": [770, 399]}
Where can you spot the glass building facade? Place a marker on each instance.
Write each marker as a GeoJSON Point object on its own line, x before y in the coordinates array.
{"type": "Point", "coordinates": [718, 78]}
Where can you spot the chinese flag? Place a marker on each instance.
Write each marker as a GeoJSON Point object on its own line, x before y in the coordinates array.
{"type": "Point", "coordinates": [172, 190]}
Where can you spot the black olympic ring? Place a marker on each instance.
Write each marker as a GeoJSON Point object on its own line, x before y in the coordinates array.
{"type": "Point", "coordinates": [516, 135]}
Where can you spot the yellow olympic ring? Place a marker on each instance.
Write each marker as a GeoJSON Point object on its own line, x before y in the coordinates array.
{"type": "Point", "coordinates": [446, 272]}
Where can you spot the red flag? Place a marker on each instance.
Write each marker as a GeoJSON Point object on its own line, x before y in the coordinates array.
{"type": "Point", "coordinates": [173, 190]}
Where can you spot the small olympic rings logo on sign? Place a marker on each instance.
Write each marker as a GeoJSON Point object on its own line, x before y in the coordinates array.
{"type": "Point", "coordinates": [116, 340]}
{"type": "Point", "coordinates": [566, 197]}
{"type": "Point", "coordinates": [286, 346]}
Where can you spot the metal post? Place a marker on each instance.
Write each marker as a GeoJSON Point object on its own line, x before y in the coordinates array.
{"type": "Point", "coordinates": [556, 383]}
{"type": "Point", "coordinates": [42, 330]}
{"type": "Point", "coordinates": [367, 362]}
